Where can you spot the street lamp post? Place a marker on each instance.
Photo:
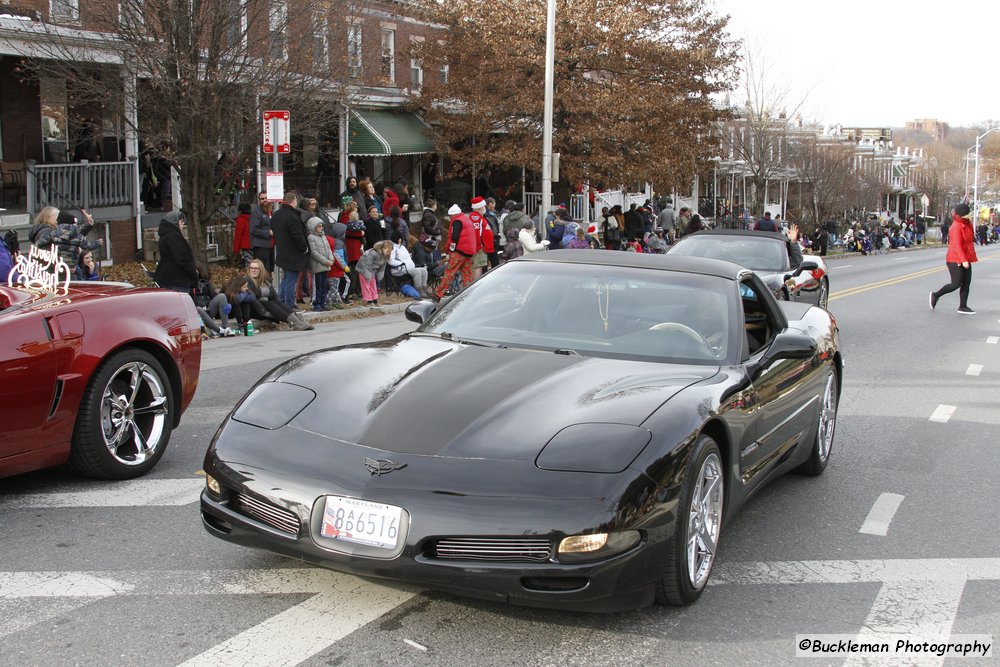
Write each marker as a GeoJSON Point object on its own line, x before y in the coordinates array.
{"type": "Point", "coordinates": [975, 183]}
{"type": "Point", "coordinates": [967, 162]}
{"type": "Point", "coordinates": [550, 56]}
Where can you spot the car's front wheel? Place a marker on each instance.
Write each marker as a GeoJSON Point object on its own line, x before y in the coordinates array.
{"type": "Point", "coordinates": [695, 542]}
{"type": "Point", "coordinates": [125, 418]}
{"type": "Point", "coordinates": [826, 426]}
{"type": "Point", "coordinates": [823, 298]}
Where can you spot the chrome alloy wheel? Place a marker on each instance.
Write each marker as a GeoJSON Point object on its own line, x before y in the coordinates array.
{"type": "Point", "coordinates": [827, 418]}
{"type": "Point", "coordinates": [704, 521]}
{"type": "Point", "coordinates": [823, 300]}
{"type": "Point", "coordinates": [133, 413]}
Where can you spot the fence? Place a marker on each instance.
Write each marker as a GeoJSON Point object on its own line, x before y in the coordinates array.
{"type": "Point", "coordinates": [607, 198]}
{"type": "Point", "coordinates": [83, 185]}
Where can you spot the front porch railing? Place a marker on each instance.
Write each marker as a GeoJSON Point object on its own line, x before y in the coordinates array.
{"type": "Point", "coordinates": [81, 185]}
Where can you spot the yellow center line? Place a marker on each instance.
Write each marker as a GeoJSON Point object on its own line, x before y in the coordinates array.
{"type": "Point", "coordinates": [892, 281]}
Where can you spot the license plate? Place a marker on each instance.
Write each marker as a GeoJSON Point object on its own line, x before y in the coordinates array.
{"type": "Point", "coordinates": [361, 522]}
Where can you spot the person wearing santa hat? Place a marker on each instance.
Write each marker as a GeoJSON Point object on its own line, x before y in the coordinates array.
{"type": "Point", "coordinates": [487, 245]}
{"type": "Point", "coordinates": [464, 242]}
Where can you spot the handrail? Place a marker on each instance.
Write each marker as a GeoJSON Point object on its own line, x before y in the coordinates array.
{"type": "Point", "coordinates": [80, 185]}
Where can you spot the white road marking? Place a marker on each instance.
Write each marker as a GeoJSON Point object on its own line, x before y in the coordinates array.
{"type": "Point", "coordinates": [133, 493]}
{"type": "Point", "coordinates": [15, 585]}
{"type": "Point", "coordinates": [301, 632]}
{"type": "Point", "coordinates": [918, 610]}
{"type": "Point", "coordinates": [881, 514]}
{"type": "Point", "coordinates": [902, 570]}
{"type": "Point", "coordinates": [340, 604]}
{"type": "Point", "coordinates": [993, 340]}
{"type": "Point", "coordinates": [974, 369]}
{"type": "Point", "coordinates": [844, 266]}
{"type": "Point", "coordinates": [917, 596]}
{"type": "Point", "coordinates": [943, 413]}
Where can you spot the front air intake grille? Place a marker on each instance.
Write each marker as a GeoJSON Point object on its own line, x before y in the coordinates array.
{"type": "Point", "coordinates": [276, 517]}
{"type": "Point", "coordinates": [497, 549]}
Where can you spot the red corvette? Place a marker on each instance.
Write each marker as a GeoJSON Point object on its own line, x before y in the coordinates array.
{"type": "Point", "coordinates": [93, 374]}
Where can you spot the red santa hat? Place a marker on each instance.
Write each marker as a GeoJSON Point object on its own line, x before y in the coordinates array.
{"type": "Point", "coordinates": [478, 203]}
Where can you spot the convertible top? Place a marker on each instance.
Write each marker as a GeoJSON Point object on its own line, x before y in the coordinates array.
{"type": "Point", "coordinates": [700, 265]}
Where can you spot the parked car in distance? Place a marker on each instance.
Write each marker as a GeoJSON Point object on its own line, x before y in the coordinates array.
{"type": "Point", "coordinates": [96, 375]}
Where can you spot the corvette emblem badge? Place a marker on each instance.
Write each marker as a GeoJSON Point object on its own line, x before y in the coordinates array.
{"type": "Point", "coordinates": [379, 467]}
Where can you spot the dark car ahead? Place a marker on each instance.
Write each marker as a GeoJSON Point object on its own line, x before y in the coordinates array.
{"type": "Point", "coordinates": [787, 273]}
{"type": "Point", "coordinates": [572, 430]}
{"type": "Point", "coordinates": [94, 374]}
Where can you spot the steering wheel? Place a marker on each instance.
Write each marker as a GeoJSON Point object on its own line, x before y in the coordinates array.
{"type": "Point", "coordinates": [684, 329]}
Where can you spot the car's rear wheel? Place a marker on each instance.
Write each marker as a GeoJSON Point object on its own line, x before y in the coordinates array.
{"type": "Point", "coordinates": [695, 542]}
{"type": "Point", "coordinates": [125, 418]}
{"type": "Point", "coordinates": [826, 426]}
{"type": "Point", "coordinates": [823, 298]}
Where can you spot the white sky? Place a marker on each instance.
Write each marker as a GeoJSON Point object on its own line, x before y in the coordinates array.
{"type": "Point", "coordinates": [876, 63]}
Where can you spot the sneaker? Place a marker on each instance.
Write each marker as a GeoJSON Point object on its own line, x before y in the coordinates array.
{"type": "Point", "coordinates": [933, 300]}
{"type": "Point", "coordinates": [339, 306]}
{"type": "Point", "coordinates": [227, 332]}
{"type": "Point", "coordinates": [965, 310]}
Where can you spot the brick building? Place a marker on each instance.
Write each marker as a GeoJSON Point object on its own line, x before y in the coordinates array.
{"type": "Point", "coordinates": [56, 149]}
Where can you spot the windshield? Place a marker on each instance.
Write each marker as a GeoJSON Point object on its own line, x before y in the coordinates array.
{"type": "Point", "coordinates": [759, 254]}
{"type": "Point", "coordinates": [595, 310]}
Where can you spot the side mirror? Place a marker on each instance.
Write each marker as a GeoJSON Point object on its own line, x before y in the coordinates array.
{"type": "Point", "coordinates": [807, 264]}
{"type": "Point", "coordinates": [786, 345]}
{"type": "Point", "coordinates": [420, 311]}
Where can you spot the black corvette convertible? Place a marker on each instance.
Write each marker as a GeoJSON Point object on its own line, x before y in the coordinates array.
{"type": "Point", "coordinates": [787, 273]}
{"type": "Point", "coordinates": [573, 429]}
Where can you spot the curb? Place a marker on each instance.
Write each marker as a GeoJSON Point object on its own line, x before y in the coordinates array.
{"type": "Point", "coordinates": [352, 313]}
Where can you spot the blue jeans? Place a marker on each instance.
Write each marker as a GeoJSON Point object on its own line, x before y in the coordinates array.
{"type": "Point", "coordinates": [286, 289]}
{"type": "Point", "coordinates": [319, 294]}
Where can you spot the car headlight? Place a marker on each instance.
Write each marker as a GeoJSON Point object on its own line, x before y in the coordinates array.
{"type": "Point", "coordinates": [583, 548]}
{"type": "Point", "coordinates": [213, 486]}
{"type": "Point", "coordinates": [601, 447]}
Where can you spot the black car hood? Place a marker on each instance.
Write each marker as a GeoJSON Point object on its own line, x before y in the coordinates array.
{"type": "Point", "coordinates": [429, 396]}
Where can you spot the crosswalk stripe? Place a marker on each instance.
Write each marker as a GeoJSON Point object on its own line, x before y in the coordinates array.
{"type": "Point", "coordinates": [304, 630]}
{"type": "Point", "coordinates": [131, 493]}
{"type": "Point", "coordinates": [856, 571]}
{"type": "Point", "coordinates": [920, 610]}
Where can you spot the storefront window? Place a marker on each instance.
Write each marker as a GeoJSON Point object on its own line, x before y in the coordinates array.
{"type": "Point", "coordinates": [52, 92]}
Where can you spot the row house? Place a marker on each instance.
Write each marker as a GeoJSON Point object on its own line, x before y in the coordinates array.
{"type": "Point", "coordinates": [59, 148]}
{"type": "Point", "coordinates": [761, 162]}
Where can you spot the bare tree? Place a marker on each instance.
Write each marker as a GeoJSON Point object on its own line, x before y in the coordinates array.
{"type": "Point", "coordinates": [633, 82]}
{"type": "Point", "coordinates": [758, 134]}
{"type": "Point", "coordinates": [826, 168]}
{"type": "Point", "coordinates": [203, 70]}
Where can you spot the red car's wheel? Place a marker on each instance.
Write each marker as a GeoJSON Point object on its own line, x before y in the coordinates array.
{"type": "Point", "coordinates": [125, 418]}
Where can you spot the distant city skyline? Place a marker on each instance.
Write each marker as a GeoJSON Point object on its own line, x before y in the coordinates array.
{"type": "Point", "coordinates": [873, 63]}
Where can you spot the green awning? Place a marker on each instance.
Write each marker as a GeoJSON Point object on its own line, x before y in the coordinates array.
{"type": "Point", "coordinates": [898, 171]}
{"type": "Point", "coordinates": [387, 133]}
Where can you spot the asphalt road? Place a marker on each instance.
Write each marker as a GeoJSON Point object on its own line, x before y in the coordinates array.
{"type": "Point", "coordinates": [899, 536]}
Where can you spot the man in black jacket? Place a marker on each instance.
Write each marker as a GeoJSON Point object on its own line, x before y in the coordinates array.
{"type": "Point", "coordinates": [291, 247]}
{"type": "Point", "coordinates": [176, 269]}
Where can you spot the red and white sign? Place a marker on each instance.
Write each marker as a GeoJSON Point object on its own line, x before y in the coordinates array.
{"type": "Point", "coordinates": [277, 132]}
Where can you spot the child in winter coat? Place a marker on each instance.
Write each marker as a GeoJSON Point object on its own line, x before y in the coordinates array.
{"type": "Point", "coordinates": [371, 266]}
{"type": "Point", "coordinates": [321, 260]}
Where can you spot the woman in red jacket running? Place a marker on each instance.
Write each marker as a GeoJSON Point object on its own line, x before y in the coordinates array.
{"type": "Point", "coordinates": [961, 255]}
